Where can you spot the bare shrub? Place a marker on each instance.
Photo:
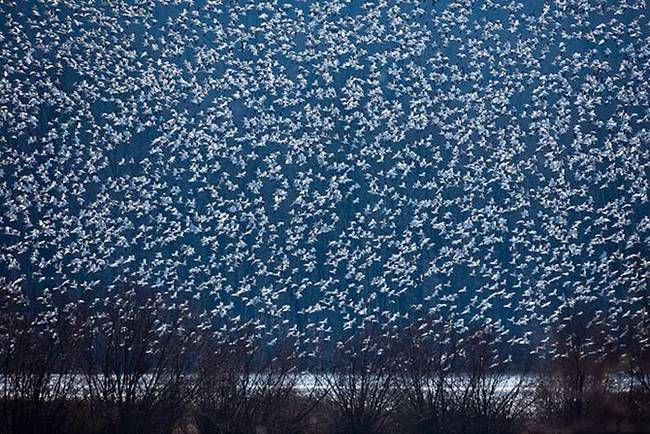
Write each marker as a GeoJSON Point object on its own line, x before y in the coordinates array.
{"type": "Point", "coordinates": [637, 365]}
{"type": "Point", "coordinates": [34, 381]}
{"type": "Point", "coordinates": [486, 395]}
{"type": "Point", "coordinates": [576, 380]}
{"type": "Point", "coordinates": [428, 353]}
{"type": "Point", "coordinates": [360, 380]}
{"type": "Point", "coordinates": [135, 361]}
{"type": "Point", "coordinates": [244, 386]}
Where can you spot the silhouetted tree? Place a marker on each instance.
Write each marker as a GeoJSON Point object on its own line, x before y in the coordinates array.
{"type": "Point", "coordinates": [486, 396]}
{"type": "Point", "coordinates": [245, 386]}
{"type": "Point", "coordinates": [360, 379]}
{"type": "Point", "coordinates": [428, 352]}
{"type": "Point", "coordinates": [135, 360]}
{"type": "Point", "coordinates": [35, 378]}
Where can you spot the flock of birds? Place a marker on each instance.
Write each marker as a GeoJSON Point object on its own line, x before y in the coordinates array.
{"type": "Point", "coordinates": [314, 168]}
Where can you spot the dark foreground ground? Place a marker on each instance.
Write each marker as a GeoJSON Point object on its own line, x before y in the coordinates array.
{"type": "Point", "coordinates": [607, 413]}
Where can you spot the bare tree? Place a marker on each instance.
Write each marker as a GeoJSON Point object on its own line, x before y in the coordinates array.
{"type": "Point", "coordinates": [639, 365]}
{"type": "Point", "coordinates": [636, 340]}
{"type": "Point", "coordinates": [35, 380]}
{"type": "Point", "coordinates": [428, 352]}
{"type": "Point", "coordinates": [636, 360]}
{"type": "Point", "coordinates": [576, 379]}
{"type": "Point", "coordinates": [246, 386]}
{"type": "Point", "coordinates": [361, 380]}
{"type": "Point", "coordinates": [486, 396]}
{"type": "Point", "coordinates": [135, 360]}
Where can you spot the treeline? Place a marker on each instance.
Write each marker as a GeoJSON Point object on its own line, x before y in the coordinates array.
{"type": "Point", "coordinates": [131, 363]}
